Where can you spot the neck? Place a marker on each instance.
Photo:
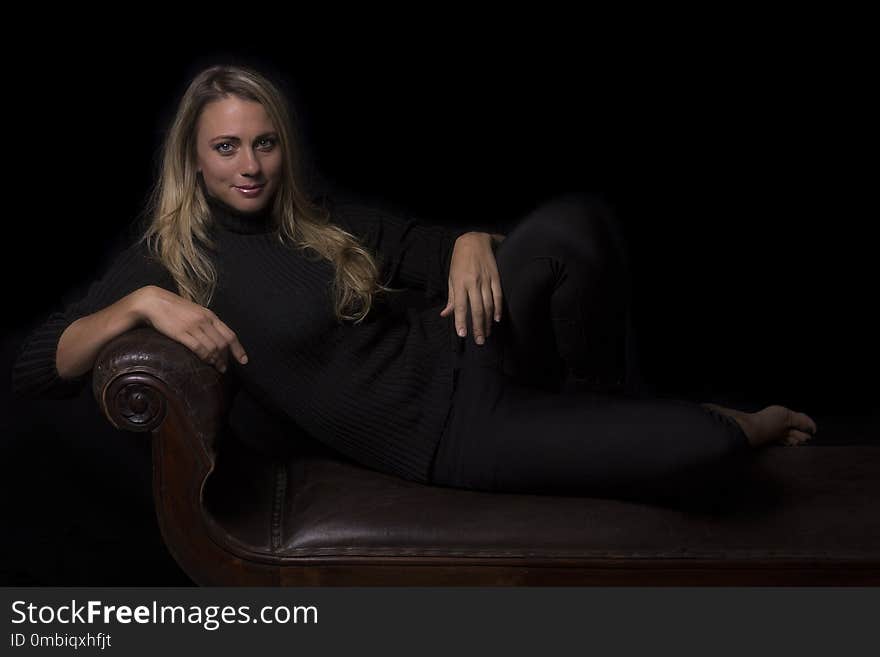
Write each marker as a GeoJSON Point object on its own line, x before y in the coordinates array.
{"type": "Point", "coordinates": [238, 221]}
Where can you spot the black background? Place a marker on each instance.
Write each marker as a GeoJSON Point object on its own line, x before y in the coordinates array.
{"type": "Point", "coordinates": [738, 164]}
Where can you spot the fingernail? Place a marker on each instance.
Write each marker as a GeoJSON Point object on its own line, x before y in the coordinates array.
{"type": "Point", "coordinates": [461, 332]}
{"type": "Point", "coordinates": [498, 319]}
{"type": "Point", "coordinates": [480, 339]}
{"type": "Point", "coordinates": [223, 369]}
{"type": "Point", "coordinates": [244, 360]}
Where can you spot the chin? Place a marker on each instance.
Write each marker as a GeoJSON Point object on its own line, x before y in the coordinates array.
{"type": "Point", "coordinates": [248, 205]}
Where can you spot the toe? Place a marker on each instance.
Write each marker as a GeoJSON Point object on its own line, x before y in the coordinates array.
{"type": "Point", "coordinates": [803, 422]}
{"type": "Point", "coordinates": [794, 420]}
{"type": "Point", "coordinates": [795, 437]}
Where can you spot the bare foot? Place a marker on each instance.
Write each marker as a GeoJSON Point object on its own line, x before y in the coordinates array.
{"type": "Point", "coordinates": [772, 424]}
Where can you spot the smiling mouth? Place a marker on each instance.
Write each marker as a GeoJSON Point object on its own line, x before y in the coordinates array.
{"type": "Point", "coordinates": [249, 187]}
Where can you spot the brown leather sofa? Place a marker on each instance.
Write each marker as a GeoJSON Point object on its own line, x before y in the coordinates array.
{"type": "Point", "coordinates": [236, 516]}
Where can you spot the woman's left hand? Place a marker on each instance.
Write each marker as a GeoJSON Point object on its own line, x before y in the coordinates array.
{"type": "Point", "coordinates": [474, 279]}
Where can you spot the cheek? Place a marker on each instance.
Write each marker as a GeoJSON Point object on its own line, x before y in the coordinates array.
{"type": "Point", "coordinates": [272, 166]}
{"type": "Point", "coordinates": [217, 176]}
{"type": "Point", "coordinates": [213, 169]}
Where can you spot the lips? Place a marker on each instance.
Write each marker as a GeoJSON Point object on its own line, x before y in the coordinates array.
{"type": "Point", "coordinates": [248, 187]}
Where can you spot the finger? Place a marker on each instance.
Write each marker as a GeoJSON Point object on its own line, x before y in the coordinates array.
{"type": "Point", "coordinates": [238, 351]}
{"type": "Point", "coordinates": [461, 311]}
{"type": "Point", "coordinates": [449, 303]}
{"type": "Point", "coordinates": [219, 341]}
{"type": "Point", "coordinates": [211, 347]}
{"type": "Point", "coordinates": [488, 308]}
{"type": "Point", "coordinates": [194, 345]}
{"type": "Point", "coordinates": [475, 297]}
{"type": "Point", "coordinates": [498, 297]}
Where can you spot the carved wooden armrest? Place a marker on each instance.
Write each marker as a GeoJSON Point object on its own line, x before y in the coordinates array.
{"type": "Point", "coordinates": [145, 381]}
{"type": "Point", "coordinates": [141, 375]}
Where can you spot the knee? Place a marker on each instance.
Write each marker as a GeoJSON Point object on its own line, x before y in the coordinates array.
{"type": "Point", "coordinates": [575, 223]}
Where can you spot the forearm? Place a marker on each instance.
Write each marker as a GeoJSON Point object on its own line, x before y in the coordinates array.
{"type": "Point", "coordinates": [81, 342]}
{"type": "Point", "coordinates": [496, 238]}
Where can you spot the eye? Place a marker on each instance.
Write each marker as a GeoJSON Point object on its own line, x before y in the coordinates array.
{"type": "Point", "coordinates": [222, 148]}
{"type": "Point", "coordinates": [267, 143]}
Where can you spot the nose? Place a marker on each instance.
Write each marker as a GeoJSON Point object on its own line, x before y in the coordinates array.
{"type": "Point", "coordinates": [250, 163]}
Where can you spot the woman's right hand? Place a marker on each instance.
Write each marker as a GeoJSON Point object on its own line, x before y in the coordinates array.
{"type": "Point", "coordinates": [194, 326]}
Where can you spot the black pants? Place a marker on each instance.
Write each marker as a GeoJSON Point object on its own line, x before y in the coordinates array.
{"type": "Point", "coordinates": [552, 402]}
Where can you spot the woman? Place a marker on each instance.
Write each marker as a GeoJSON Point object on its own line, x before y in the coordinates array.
{"type": "Point", "coordinates": [291, 297]}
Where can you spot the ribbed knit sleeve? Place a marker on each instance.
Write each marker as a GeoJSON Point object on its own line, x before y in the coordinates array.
{"type": "Point", "coordinates": [414, 254]}
{"type": "Point", "coordinates": [35, 373]}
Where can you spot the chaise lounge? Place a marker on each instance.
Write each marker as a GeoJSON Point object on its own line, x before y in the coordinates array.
{"type": "Point", "coordinates": [232, 515]}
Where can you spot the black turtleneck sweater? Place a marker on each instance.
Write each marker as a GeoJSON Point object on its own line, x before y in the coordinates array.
{"type": "Point", "coordinates": [378, 392]}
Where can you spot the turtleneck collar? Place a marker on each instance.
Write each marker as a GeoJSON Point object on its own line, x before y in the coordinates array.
{"type": "Point", "coordinates": [236, 221]}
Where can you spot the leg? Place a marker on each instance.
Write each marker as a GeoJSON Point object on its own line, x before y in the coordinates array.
{"type": "Point", "coordinates": [504, 437]}
{"type": "Point", "coordinates": [564, 273]}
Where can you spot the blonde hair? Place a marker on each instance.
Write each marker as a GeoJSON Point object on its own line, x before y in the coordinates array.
{"type": "Point", "coordinates": [179, 217]}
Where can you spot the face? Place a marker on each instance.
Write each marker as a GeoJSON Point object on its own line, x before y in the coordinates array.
{"type": "Point", "coordinates": [238, 153]}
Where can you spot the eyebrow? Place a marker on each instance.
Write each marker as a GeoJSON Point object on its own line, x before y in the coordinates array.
{"type": "Point", "coordinates": [234, 138]}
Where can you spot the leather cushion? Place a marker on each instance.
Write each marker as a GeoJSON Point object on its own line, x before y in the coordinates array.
{"type": "Point", "coordinates": [792, 503]}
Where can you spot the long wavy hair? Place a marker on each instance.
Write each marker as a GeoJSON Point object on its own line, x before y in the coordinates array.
{"type": "Point", "coordinates": [179, 218]}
